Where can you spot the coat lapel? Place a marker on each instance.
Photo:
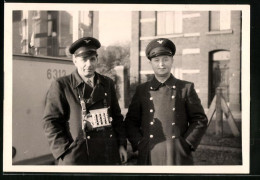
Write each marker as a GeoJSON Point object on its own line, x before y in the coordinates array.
{"type": "Point", "coordinates": [98, 92]}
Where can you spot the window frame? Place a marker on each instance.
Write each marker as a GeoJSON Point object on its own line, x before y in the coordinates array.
{"type": "Point", "coordinates": [163, 27]}
{"type": "Point", "coordinates": [223, 21]}
{"type": "Point", "coordinates": [26, 31]}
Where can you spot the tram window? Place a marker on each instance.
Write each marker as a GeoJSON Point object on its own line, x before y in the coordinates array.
{"type": "Point", "coordinates": [48, 33]}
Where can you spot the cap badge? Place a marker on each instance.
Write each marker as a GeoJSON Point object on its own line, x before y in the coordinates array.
{"type": "Point", "coordinates": [160, 41]}
{"type": "Point", "coordinates": [87, 41]}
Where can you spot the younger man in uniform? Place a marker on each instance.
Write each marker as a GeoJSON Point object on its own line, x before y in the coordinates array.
{"type": "Point", "coordinates": [165, 120]}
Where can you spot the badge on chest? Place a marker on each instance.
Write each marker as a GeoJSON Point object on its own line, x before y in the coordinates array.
{"type": "Point", "coordinates": [97, 118]}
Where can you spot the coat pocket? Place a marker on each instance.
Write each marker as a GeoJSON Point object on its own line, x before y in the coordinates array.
{"type": "Point", "coordinates": [182, 151]}
{"type": "Point", "coordinates": [76, 154]}
{"type": "Point", "coordinates": [143, 152]}
{"type": "Point", "coordinates": [185, 146]}
{"type": "Point", "coordinates": [142, 144]}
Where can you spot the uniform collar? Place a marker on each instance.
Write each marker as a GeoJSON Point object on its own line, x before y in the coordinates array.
{"type": "Point", "coordinates": [170, 83]}
{"type": "Point", "coordinates": [77, 80]}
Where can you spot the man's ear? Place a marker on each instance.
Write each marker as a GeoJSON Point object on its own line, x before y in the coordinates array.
{"type": "Point", "coordinates": [74, 60]}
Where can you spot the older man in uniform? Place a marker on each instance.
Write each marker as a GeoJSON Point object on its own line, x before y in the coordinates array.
{"type": "Point", "coordinates": [82, 119]}
{"type": "Point", "coordinates": [165, 120]}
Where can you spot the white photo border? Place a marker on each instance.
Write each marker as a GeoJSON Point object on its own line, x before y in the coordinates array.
{"type": "Point", "coordinates": [245, 92]}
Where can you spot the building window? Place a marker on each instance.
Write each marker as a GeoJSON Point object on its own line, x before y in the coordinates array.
{"type": "Point", "coordinates": [48, 33]}
{"type": "Point", "coordinates": [85, 23]}
{"type": "Point", "coordinates": [169, 22]}
{"type": "Point", "coordinates": [219, 20]}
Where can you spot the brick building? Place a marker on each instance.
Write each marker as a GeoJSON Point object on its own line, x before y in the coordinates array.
{"type": "Point", "coordinates": [208, 49]}
{"type": "Point", "coordinates": [51, 32]}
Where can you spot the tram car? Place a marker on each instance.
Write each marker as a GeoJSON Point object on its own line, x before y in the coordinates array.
{"type": "Point", "coordinates": [32, 77]}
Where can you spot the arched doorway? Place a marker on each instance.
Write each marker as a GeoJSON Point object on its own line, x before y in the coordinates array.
{"type": "Point", "coordinates": [219, 73]}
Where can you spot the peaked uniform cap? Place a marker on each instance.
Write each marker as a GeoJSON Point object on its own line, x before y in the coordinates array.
{"type": "Point", "coordinates": [84, 45]}
{"type": "Point", "coordinates": [160, 46]}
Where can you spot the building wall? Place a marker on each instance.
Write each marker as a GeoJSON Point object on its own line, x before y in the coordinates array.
{"type": "Point", "coordinates": [194, 46]}
{"type": "Point", "coordinates": [135, 46]}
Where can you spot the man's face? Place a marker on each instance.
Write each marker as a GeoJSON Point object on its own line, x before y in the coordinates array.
{"type": "Point", "coordinates": [86, 65]}
{"type": "Point", "coordinates": [162, 65]}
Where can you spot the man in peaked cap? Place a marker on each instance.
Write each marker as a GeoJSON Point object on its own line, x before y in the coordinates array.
{"type": "Point", "coordinates": [82, 119]}
{"type": "Point", "coordinates": [165, 120]}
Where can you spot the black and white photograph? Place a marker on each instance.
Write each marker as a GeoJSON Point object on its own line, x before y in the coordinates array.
{"type": "Point", "coordinates": [126, 88]}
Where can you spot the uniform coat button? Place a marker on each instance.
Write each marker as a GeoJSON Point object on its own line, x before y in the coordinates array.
{"type": "Point", "coordinates": [174, 87]}
{"type": "Point", "coordinates": [151, 136]}
{"type": "Point", "coordinates": [173, 97]}
{"type": "Point", "coordinates": [88, 137]}
{"type": "Point", "coordinates": [173, 137]}
{"type": "Point", "coordinates": [151, 98]}
{"type": "Point", "coordinates": [151, 110]}
{"type": "Point", "coordinates": [173, 109]}
{"type": "Point", "coordinates": [110, 135]}
{"type": "Point", "coordinates": [151, 87]}
{"type": "Point", "coordinates": [173, 123]}
{"type": "Point", "coordinates": [151, 123]}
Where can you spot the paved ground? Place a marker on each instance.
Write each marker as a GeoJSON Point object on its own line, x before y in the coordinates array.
{"type": "Point", "coordinates": [219, 150]}
{"type": "Point", "coordinates": [213, 150]}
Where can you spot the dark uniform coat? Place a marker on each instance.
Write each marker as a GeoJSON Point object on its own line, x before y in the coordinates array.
{"type": "Point", "coordinates": [188, 124]}
{"type": "Point", "coordinates": [63, 127]}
